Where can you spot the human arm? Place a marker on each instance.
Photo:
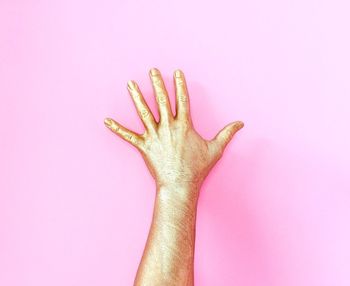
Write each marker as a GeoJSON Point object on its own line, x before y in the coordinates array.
{"type": "Point", "coordinates": [179, 159]}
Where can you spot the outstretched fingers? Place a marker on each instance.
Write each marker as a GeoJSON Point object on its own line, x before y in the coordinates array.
{"type": "Point", "coordinates": [124, 133]}
{"type": "Point", "coordinates": [182, 98]}
{"type": "Point", "coordinates": [141, 106]}
{"type": "Point", "coordinates": [161, 94]}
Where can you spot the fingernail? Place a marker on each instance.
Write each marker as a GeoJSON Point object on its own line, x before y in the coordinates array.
{"type": "Point", "coordinates": [240, 124]}
{"type": "Point", "coordinates": [178, 73]}
{"type": "Point", "coordinates": [131, 84]}
{"type": "Point", "coordinates": [108, 122]}
{"type": "Point", "coordinates": [154, 71]}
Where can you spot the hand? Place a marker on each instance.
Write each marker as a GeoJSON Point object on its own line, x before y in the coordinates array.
{"type": "Point", "coordinates": [174, 152]}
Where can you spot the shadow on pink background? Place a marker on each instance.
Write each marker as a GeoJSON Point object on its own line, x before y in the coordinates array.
{"type": "Point", "coordinates": [76, 201]}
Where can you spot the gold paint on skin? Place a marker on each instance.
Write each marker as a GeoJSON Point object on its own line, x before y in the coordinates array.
{"type": "Point", "coordinates": [179, 160]}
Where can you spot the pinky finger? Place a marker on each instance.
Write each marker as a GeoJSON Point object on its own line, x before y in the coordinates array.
{"type": "Point", "coordinates": [124, 133]}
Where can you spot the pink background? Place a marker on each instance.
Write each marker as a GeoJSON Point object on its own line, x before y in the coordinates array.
{"type": "Point", "coordinates": [76, 201]}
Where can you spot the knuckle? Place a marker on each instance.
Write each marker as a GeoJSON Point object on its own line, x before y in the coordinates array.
{"type": "Point", "coordinates": [133, 140]}
{"type": "Point", "coordinates": [180, 81]}
{"type": "Point", "coordinates": [157, 81]}
{"type": "Point", "coordinates": [144, 113]}
{"type": "Point", "coordinates": [227, 134]}
{"type": "Point", "coordinates": [128, 137]}
{"type": "Point", "coordinates": [186, 124]}
{"type": "Point", "coordinates": [135, 94]}
{"type": "Point", "coordinates": [183, 98]}
{"type": "Point", "coordinates": [161, 98]}
{"type": "Point", "coordinates": [115, 127]}
{"type": "Point", "coordinates": [183, 124]}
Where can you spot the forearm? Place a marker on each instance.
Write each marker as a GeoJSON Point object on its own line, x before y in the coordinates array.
{"type": "Point", "coordinates": [169, 252]}
{"type": "Point", "coordinates": [173, 152]}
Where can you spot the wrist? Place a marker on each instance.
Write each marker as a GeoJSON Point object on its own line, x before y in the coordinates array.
{"type": "Point", "coordinates": [178, 184]}
{"type": "Point", "coordinates": [184, 194]}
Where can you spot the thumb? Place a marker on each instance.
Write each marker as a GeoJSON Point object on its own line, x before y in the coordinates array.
{"type": "Point", "coordinates": [225, 135]}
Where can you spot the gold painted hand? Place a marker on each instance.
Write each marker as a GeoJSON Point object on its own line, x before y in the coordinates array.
{"type": "Point", "coordinates": [172, 149]}
{"type": "Point", "coordinates": [179, 159]}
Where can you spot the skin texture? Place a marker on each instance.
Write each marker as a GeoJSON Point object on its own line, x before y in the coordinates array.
{"type": "Point", "coordinates": [179, 160]}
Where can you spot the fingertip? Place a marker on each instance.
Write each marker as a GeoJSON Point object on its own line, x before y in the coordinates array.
{"type": "Point", "coordinates": [178, 73]}
{"type": "Point", "coordinates": [108, 122]}
{"type": "Point", "coordinates": [131, 84]}
{"type": "Point", "coordinates": [237, 125]}
{"type": "Point", "coordinates": [154, 71]}
{"type": "Point", "coordinates": [240, 124]}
